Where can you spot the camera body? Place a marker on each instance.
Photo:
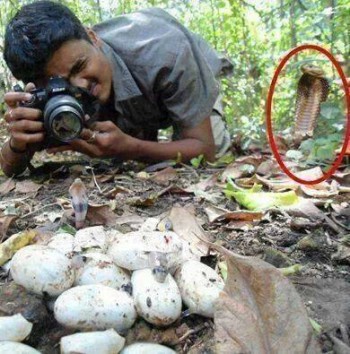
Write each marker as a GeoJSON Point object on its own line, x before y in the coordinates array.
{"type": "Point", "coordinates": [64, 109]}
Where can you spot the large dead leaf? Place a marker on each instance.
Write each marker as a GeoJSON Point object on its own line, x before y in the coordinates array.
{"type": "Point", "coordinates": [233, 171]}
{"type": "Point", "coordinates": [268, 167]}
{"type": "Point", "coordinates": [260, 311]}
{"type": "Point", "coordinates": [321, 190]}
{"type": "Point", "coordinates": [186, 226]}
{"type": "Point", "coordinates": [15, 242]}
{"type": "Point", "coordinates": [203, 188]}
{"type": "Point", "coordinates": [5, 223]}
{"type": "Point", "coordinates": [218, 214]}
{"type": "Point", "coordinates": [7, 186]}
{"type": "Point", "coordinates": [27, 187]}
{"type": "Point", "coordinates": [100, 215]}
{"type": "Point", "coordinates": [165, 176]}
{"type": "Point", "coordinates": [328, 299]}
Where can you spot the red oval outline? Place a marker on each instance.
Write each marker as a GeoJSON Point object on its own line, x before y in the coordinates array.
{"type": "Point", "coordinates": [272, 142]}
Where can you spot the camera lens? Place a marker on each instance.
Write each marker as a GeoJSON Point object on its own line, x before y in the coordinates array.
{"type": "Point", "coordinates": [63, 118]}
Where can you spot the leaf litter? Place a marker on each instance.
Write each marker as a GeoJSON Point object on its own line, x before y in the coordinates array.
{"type": "Point", "coordinates": [298, 229]}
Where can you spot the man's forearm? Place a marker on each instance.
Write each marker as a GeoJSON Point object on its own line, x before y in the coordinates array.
{"type": "Point", "coordinates": [188, 148]}
{"type": "Point", "coordinates": [13, 163]}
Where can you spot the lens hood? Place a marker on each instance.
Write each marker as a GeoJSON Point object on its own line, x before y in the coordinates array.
{"type": "Point", "coordinates": [63, 118]}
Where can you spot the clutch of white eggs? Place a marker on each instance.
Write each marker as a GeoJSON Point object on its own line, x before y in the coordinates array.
{"type": "Point", "coordinates": [100, 281]}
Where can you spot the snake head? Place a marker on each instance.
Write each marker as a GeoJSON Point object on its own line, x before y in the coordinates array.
{"type": "Point", "coordinates": [313, 70]}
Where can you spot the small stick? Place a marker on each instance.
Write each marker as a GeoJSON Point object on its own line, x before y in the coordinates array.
{"type": "Point", "coordinates": [41, 208]}
{"type": "Point", "coordinates": [95, 181]}
{"type": "Point", "coordinates": [190, 332]}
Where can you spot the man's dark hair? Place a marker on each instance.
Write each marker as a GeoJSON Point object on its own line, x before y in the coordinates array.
{"type": "Point", "coordinates": [35, 33]}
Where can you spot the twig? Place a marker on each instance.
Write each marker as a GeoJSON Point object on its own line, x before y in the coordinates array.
{"type": "Point", "coordinates": [95, 181]}
{"type": "Point", "coordinates": [43, 207]}
{"type": "Point", "coordinates": [190, 332]}
{"type": "Point", "coordinates": [192, 170]}
{"type": "Point", "coordinates": [339, 223]}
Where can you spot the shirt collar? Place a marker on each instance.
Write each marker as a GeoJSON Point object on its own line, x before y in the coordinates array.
{"type": "Point", "coordinates": [124, 84]}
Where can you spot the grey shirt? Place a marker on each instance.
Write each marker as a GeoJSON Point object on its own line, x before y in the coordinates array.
{"type": "Point", "coordinates": [163, 74]}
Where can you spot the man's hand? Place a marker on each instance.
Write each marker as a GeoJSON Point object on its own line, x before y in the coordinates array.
{"type": "Point", "coordinates": [104, 139]}
{"type": "Point", "coordinates": [23, 122]}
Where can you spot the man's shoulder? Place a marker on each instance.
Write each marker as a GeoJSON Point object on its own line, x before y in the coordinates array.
{"type": "Point", "coordinates": [146, 17]}
{"type": "Point", "coordinates": [139, 34]}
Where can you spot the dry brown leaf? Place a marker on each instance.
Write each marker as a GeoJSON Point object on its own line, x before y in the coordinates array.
{"type": "Point", "coordinates": [279, 185]}
{"type": "Point", "coordinates": [233, 171]}
{"type": "Point", "coordinates": [268, 167]}
{"type": "Point", "coordinates": [7, 186]}
{"type": "Point", "coordinates": [5, 223]}
{"type": "Point", "coordinates": [260, 311]}
{"type": "Point", "coordinates": [318, 193]}
{"type": "Point", "coordinates": [27, 187]}
{"type": "Point", "coordinates": [239, 225]}
{"type": "Point", "coordinates": [307, 208]}
{"type": "Point", "coordinates": [105, 178]}
{"type": "Point", "coordinates": [100, 215]}
{"type": "Point", "coordinates": [247, 182]}
{"type": "Point", "coordinates": [328, 300]}
{"type": "Point", "coordinates": [215, 214]}
{"type": "Point", "coordinates": [165, 176]}
{"type": "Point", "coordinates": [204, 185]}
{"type": "Point", "coordinates": [117, 190]}
{"type": "Point", "coordinates": [186, 226]}
{"type": "Point", "coordinates": [243, 215]}
{"type": "Point", "coordinates": [283, 183]}
{"type": "Point", "coordinates": [130, 219]}
{"type": "Point", "coordinates": [254, 159]}
{"type": "Point", "coordinates": [343, 177]}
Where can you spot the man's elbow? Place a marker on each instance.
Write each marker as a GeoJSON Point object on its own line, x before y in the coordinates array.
{"type": "Point", "coordinates": [209, 152]}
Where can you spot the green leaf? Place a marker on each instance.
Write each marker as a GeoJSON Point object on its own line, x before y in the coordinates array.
{"type": "Point", "coordinates": [67, 228]}
{"type": "Point", "coordinates": [330, 110]}
{"type": "Point", "coordinates": [254, 199]}
{"type": "Point", "coordinates": [316, 326]}
{"type": "Point", "coordinates": [292, 270]}
{"type": "Point", "coordinates": [223, 269]}
{"type": "Point", "coordinates": [223, 160]}
{"type": "Point", "coordinates": [325, 152]}
{"type": "Point", "coordinates": [196, 161]}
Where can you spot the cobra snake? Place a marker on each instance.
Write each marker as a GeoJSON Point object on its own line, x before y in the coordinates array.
{"type": "Point", "coordinates": [312, 90]}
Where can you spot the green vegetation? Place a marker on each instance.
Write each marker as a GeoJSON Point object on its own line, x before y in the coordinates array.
{"type": "Point", "coordinates": [255, 35]}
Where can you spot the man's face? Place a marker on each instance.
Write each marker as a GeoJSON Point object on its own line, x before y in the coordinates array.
{"type": "Point", "coordinates": [82, 64]}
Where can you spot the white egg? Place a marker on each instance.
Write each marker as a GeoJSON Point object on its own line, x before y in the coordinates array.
{"type": "Point", "coordinates": [99, 269]}
{"type": "Point", "coordinates": [131, 251]}
{"type": "Point", "coordinates": [95, 307]}
{"type": "Point", "coordinates": [147, 348]}
{"type": "Point", "coordinates": [90, 238]}
{"type": "Point", "coordinates": [107, 342]}
{"type": "Point", "coordinates": [42, 269]}
{"type": "Point", "coordinates": [200, 287]}
{"type": "Point", "coordinates": [16, 348]}
{"type": "Point", "coordinates": [158, 303]}
{"type": "Point", "coordinates": [62, 242]}
{"type": "Point", "coordinates": [14, 328]}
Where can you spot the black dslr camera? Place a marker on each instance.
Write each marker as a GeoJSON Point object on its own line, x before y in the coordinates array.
{"type": "Point", "coordinates": [64, 108]}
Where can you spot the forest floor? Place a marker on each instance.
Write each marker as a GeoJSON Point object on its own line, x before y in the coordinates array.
{"type": "Point", "coordinates": [124, 196]}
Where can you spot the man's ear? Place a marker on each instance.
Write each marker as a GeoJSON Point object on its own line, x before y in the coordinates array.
{"type": "Point", "coordinates": [93, 37]}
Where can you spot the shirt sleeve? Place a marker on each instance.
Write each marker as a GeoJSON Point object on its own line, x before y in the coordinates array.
{"type": "Point", "coordinates": [188, 89]}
